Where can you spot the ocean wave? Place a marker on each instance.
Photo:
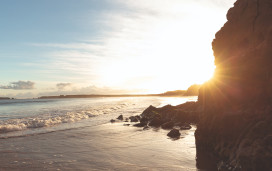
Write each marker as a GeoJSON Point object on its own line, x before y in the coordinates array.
{"type": "Point", "coordinates": [20, 101]}
{"type": "Point", "coordinates": [47, 120]}
{"type": "Point", "coordinates": [21, 124]}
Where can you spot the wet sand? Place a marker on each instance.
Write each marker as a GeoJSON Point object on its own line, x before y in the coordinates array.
{"type": "Point", "coordinates": [100, 147]}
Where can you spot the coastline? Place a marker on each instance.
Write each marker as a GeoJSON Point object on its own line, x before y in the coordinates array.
{"type": "Point", "coordinates": [102, 146]}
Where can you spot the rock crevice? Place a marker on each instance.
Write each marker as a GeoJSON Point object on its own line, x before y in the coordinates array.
{"type": "Point", "coordinates": [258, 12]}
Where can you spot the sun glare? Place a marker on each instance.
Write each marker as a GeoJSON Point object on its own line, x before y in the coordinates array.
{"type": "Point", "coordinates": [171, 53]}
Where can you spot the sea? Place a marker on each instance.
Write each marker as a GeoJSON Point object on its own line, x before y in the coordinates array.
{"type": "Point", "coordinates": [76, 134]}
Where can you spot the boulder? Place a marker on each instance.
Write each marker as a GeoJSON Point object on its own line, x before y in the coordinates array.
{"type": "Point", "coordinates": [149, 112]}
{"type": "Point", "coordinates": [120, 117]}
{"type": "Point", "coordinates": [174, 133]}
{"type": "Point", "coordinates": [133, 119]}
{"type": "Point", "coordinates": [168, 125]}
{"type": "Point", "coordinates": [140, 125]}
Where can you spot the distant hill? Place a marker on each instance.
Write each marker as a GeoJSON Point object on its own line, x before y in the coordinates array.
{"type": "Point", "coordinates": [97, 95]}
{"type": "Point", "coordinates": [191, 91]}
{"type": "Point", "coordinates": [174, 93]}
{"type": "Point", "coordinates": [4, 98]}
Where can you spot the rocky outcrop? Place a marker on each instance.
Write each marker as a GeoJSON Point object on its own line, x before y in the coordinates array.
{"type": "Point", "coordinates": [167, 117]}
{"type": "Point", "coordinates": [120, 117]}
{"type": "Point", "coordinates": [237, 102]}
{"type": "Point", "coordinates": [242, 50]}
{"type": "Point", "coordinates": [174, 133]}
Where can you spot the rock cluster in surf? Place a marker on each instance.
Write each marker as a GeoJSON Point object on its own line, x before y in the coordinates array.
{"type": "Point", "coordinates": [168, 117]}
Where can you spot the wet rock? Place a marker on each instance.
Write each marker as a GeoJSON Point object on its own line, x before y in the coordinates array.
{"type": "Point", "coordinates": [140, 125]}
{"type": "Point", "coordinates": [133, 119]}
{"type": "Point", "coordinates": [144, 120]}
{"type": "Point", "coordinates": [112, 120]}
{"type": "Point", "coordinates": [146, 127]}
{"type": "Point", "coordinates": [138, 117]}
{"type": "Point", "coordinates": [120, 117]}
{"type": "Point", "coordinates": [185, 126]}
{"type": "Point", "coordinates": [174, 133]}
{"type": "Point", "coordinates": [126, 124]}
{"type": "Point", "coordinates": [168, 125]}
{"type": "Point", "coordinates": [149, 112]}
{"type": "Point", "coordinates": [178, 124]}
{"type": "Point", "coordinates": [156, 122]}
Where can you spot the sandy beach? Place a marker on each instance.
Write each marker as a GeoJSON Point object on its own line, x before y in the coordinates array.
{"type": "Point", "coordinates": [103, 147]}
{"type": "Point", "coordinates": [95, 143]}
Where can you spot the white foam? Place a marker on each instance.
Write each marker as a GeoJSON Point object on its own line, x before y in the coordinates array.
{"type": "Point", "coordinates": [11, 127]}
{"type": "Point", "coordinates": [47, 120]}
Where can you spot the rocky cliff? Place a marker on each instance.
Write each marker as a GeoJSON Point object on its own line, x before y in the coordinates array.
{"type": "Point", "coordinates": [242, 50]}
{"type": "Point", "coordinates": [236, 123]}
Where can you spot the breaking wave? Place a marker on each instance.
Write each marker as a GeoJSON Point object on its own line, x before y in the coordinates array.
{"type": "Point", "coordinates": [47, 120]}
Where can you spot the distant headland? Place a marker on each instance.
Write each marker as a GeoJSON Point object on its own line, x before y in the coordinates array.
{"type": "Point", "coordinates": [4, 98]}
{"type": "Point", "coordinates": [191, 91]}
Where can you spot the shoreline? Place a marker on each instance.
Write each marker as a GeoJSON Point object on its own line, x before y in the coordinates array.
{"type": "Point", "coordinates": [122, 95]}
{"type": "Point", "coordinates": [102, 147]}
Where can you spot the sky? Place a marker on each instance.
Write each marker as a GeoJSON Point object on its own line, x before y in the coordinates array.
{"type": "Point", "coordinates": [58, 47]}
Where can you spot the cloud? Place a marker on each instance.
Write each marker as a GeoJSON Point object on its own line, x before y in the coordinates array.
{"type": "Point", "coordinates": [62, 86]}
{"type": "Point", "coordinates": [137, 36]}
{"type": "Point", "coordinates": [92, 90]}
{"type": "Point", "coordinates": [105, 90]}
{"type": "Point", "coordinates": [19, 85]}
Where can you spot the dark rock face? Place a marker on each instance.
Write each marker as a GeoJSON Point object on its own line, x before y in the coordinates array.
{"type": "Point", "coordinates": [133, 119]}
{"type": "Point", "coordinates": [236, 122]}
{"type": "Point", "coordinates": [185, 126]}
{"type": "Point", "coordinates": [120, 117]}
{"type": "Point", "coordinates": [242, 50]}
{"type": "Point", "coordinates": [140, 125]}
{"type": "Point", "coordinates": [168, 125]}
{"type": "Point", "coordinates": [144, 120]}
{"type": "Point", "coordinates": [174, 133]}
{"type": "Point", "coordinates": [168, 116]}
{"type": "Point", "coordinates": [156, 122]}
{"type": "Point", "coordinates": [187, 112]}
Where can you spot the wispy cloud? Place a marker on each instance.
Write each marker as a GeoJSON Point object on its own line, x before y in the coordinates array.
{"type": "Point", "coordinates": [91, 90]}
{"type": "Point", "coordinates": [62, 86]}
{"type": "Point", "coordinates": [19, 85]}
{"type": "Point", "coordinates": [139, 41]}
{"type": "Point", "coordinates": [81, 46]}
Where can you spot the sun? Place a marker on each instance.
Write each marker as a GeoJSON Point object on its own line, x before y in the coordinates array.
{"type": "Point", "coordinates": [171, 54]}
